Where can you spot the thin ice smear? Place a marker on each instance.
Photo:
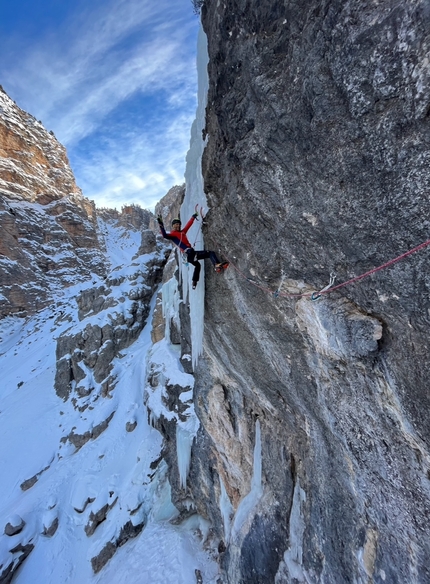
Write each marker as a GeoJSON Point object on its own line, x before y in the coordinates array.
{"type": "Point", "coordinates": [194, 195]}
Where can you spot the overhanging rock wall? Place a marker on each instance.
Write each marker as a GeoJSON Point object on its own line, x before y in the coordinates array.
{"type": "Point", "coordinates": [317, 161]}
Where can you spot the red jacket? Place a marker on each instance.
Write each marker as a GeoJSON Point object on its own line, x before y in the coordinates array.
{"type": "Point", "coordinates": [179, 238]}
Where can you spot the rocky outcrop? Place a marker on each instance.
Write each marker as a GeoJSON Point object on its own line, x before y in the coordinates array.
{"type": "Point", "coordinates": [14, 525]}
{"type": "Point", "coordinates": [48, 229]}
{"type": "Point", "coordinates": [20, 553]}
{"type": "Point", "coordinates": [130, 216]}
{"type": "Point", "coordinates": [169, 206]}
{"type": "Point", "coordinates": [316, 161]}
{"type": "Point", "coordinates": [85, 355]}
{"type": "Point", "coordinates": [33, 164]}
{"type": "Point", "coordinates": [128, 531]}
{"type": "Point", "coordinates": [99, 516]}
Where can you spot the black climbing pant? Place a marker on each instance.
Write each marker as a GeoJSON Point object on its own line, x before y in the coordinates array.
{"type": "Point", "coordinates": [194, 256]}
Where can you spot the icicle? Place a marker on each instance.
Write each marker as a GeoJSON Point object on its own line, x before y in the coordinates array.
{"type": "Point", "coordinates": [185, 433]}
{"type": "Point", "coordinates": [256, 477]}
{"type": "Point", "coordinates": [227, 511]}
{"type": "Point", "coordinates": [247, 505]}
{"type": "Point", "coordinates": [293, 557]}
{"type": "Point", "coordinates": [184, 442]}
{"type": "Point", "coordinates": [170, 304]}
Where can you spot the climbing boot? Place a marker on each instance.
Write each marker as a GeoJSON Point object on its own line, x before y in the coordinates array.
{"type": "Point", "coordinates": [221, 266]}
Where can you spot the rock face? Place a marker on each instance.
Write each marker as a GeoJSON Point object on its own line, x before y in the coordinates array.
{"type": "Point", "coordinates": [317, 161]}
{"type": "Point", "coordinates": [33, 164]}
{"type": "Point", "coordinates": [48, 229]}
{"type": "Point", "coordinates": [85, 354]}
{"type": "Point", "coordinates": [169, 206]}
{"type": "Point", "coordinates": [131, 216]}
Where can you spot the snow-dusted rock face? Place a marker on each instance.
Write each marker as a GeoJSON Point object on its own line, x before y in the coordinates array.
{"type": "Point", "coordinates": [112, 317]}
{"type": "Point", "coordinates": [48, 229]}
{"type": "Point", "coordinates": [88, 461]}
{"type": "Point", "coordinates": [33, 164]}
{"type": "Point", "coordinates": [317, 160]}
{"type": "Point", "coordinates": [130, 216]}
{"type": "Point", "coordinates": [87, 475]}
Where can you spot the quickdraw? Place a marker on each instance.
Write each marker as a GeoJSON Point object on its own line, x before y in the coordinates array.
{"type": "Point", "coordinates": [316, 295]}
{"type": "Point", "coordinates": [277, 292]}
{"type": "Point", "coordinates": [202, 216]}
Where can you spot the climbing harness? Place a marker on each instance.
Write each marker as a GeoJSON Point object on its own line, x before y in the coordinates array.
{"type": "Point", "coordinates": [315, 295]}
{"type": "Point", "coordinates": [184, 255]}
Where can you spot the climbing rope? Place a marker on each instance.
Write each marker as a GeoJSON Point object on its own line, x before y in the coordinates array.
{"type": "Point", "coordinates": [315, 296]}
{"type": "Point", "coordinates": [329, 288]}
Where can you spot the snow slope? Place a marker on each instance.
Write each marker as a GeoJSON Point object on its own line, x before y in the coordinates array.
{"type": "Point", "coordinates": [120, 470]}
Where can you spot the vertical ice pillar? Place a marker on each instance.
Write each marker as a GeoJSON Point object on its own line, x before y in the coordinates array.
{"type": "Point", "coordinates": [170, 305]}
{"type": "Point", "coordinates": [227, 511]}
{"type": "Point", "coordinates": [194, 195]}
{"type": "Point", "coordinates": [293, 557]}
{"type": "Point", "coordinates": [184, 443]}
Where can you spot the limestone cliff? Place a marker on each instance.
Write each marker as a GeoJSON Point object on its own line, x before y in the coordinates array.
{"type": "Point", "coordinates": [48, 229]}
{"type": "Point", "coordinates": [317, 161]}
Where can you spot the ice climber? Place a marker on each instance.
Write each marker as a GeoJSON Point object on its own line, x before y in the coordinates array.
{"type": "Point", "coordinates": [179, 237]}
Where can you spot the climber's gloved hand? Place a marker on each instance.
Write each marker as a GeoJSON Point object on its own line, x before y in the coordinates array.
{"type": "Point", "coordinates": [160, 220]}
{"type": "Point", "coordinates": [195, 215]}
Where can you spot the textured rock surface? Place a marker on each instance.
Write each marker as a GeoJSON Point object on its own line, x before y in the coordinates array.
{"type": "Point", "coordinates": [98, 517]}
{"type": "Point", "coordinates": [50, 527]}
{"type": "Point", "coordinates": [128, 531]}
{"type": "Point", "coordinates": [317, 160]}
{"type": "Point", "coordinates": [131, 216]}
{"type": "Point", "coordinates": [85, 355]}
{"type": "Point", "coordinates": [169, 206]}
{"type": "Point", "coordinates": [48, 229]}
{"type": "Point", "coordinates": [33, 164]}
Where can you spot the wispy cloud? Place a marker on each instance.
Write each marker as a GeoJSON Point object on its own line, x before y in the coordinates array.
{"type": "Point", "coordinates": [85, 75]}
{"type": "Point", "coordinates": [152, 68]}
{"type": "Point", "coordinates": [137, 166]}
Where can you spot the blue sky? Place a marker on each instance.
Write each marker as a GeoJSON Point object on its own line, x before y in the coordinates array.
{"type": "Point", "coordinates": [116, 82]}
